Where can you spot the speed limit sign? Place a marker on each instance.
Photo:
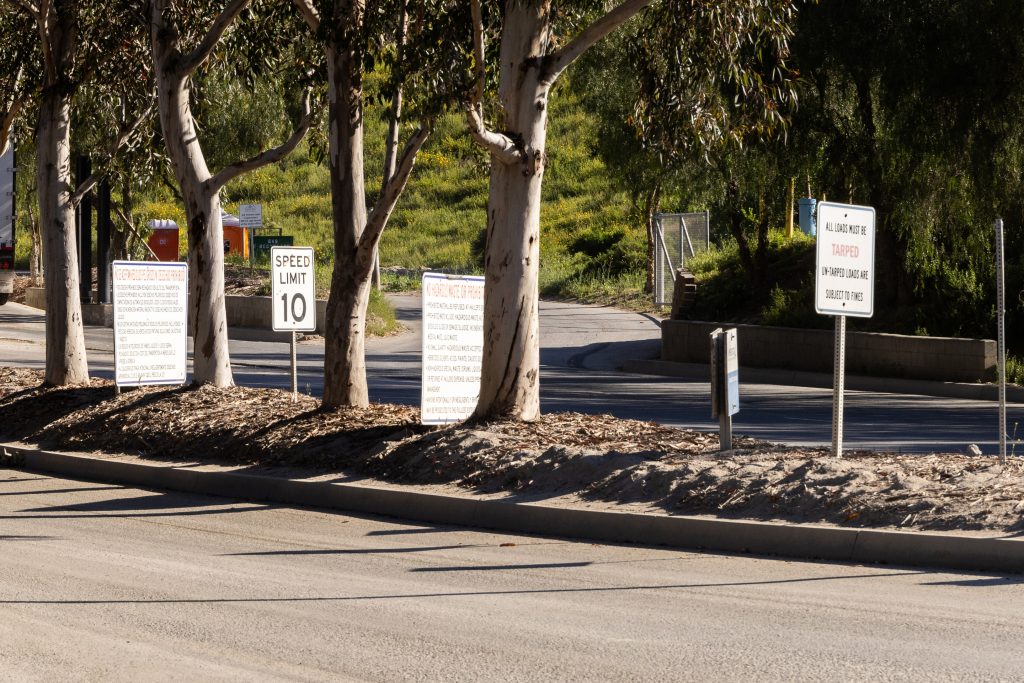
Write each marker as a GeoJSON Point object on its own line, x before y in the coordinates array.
{"type": "Point", "coordinates": [293, 289]}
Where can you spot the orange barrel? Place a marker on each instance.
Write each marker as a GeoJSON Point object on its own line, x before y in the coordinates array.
{"type": "Point", "coordinates": [164, 243]}
{"type": "Point", "coordinates": [235, 241]}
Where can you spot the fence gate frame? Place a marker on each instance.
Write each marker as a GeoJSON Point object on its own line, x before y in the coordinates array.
{"type": "Point", "coordinates": [688, 234]}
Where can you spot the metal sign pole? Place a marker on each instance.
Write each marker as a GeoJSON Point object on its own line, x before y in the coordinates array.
{"type": "Point", "coordinates": [251, 236]}
{"type": "Point", "coordinates": [724, 418]}
{"type": "Point", "coordinates": [295, 374]}
{"type": "Point", "coordinates": [1001, 349]}
{"type": "Point", "coordinates": [838, 384]}
{"type": "Point", "coordinates": [720, 390]}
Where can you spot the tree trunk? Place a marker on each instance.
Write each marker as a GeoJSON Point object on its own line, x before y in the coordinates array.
{"type": "Point", "coordinates": [345, 352]}
{"type": "Point", "coordinates": [345, 327]}
{"type": "Point", "coordinates": [35, 264]}
{"type": "Point", "coordinates": [65, 338]}
{"type": "Point", "coordinates": [211, 362]}
{"type": "Point", "coordinates": [650, 209]}
{"type": "Point", "coordinates": [119, 235]}
{"type": "Point", "coordinates": [394, 126]}
{"type": "Point", "coordinates": [510, 381]}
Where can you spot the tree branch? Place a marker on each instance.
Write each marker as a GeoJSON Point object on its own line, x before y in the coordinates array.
{"type": "Point", "coordinates": [478, 57]}
{"type": "Point", "coordinates": [126, 133]}
{"type": "Point", "coordinates": [501, 146]}
{"type": "Point", "coordinates": [221, 24]}
{"type": "Point", "coordinates": [7, 122]}
{"type": "Point", "coordinates": [309, 14]}
{"type": "Point", "coordinates": [131, 228]}
{"type": "Point", "coordinates": [393, 189]}
{"type": "Point", "coordinates": [557, 62]}
{"type": "Point", "coordinates": [27, 6]}
{"type": "Point", "coordinates": [267, 156]}
{"type": "Point", "coordinates": [42, 21]}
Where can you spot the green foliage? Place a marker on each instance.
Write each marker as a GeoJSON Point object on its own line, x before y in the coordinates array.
{"type": "Point", "coordinates": [1014, 370]}
{"type": "Point", "coordinates": [440, 220]}
{"type": "Point", "coordinates": [726, 293]}
{"type": "Point", "coordinates": [380, 316]}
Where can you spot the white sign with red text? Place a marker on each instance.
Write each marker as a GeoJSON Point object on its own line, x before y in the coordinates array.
{"type": "Point", "coordinates": [845, 274]}
{"type": "Point", "coordinates": [453, 338]}
{"type": "Point", "coordinates": [150, 322]}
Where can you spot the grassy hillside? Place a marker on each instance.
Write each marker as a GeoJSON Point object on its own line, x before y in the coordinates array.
{"type": "Point", "coordinates": [589, 249]}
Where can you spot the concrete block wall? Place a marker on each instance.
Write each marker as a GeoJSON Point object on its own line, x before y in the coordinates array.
{"type": "Point", "coordinates": [867, 353]}
{"type": "Point", "coordinates": [256, 312]}
{"type": "Point", "coordinates": [241, 311]}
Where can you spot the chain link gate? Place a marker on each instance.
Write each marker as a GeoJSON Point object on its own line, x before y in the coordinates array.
{"type": "Point", "coordinates": [677, 236]}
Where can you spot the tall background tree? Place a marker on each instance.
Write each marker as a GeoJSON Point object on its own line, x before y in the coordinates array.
{"type": "Point", "coordinates": [355, 37]}
{"type": "Point", "coordinates": [185, 34]}
{"type": "Point", "coordinates": [75, 41]}
{"type": "Point", "coordinates": [699, 51]}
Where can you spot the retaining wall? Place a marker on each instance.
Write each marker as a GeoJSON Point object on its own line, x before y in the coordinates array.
{"type": "Point", "coordinates": [242, 311]}
{"type": "Point", "coordinates": [867, 353]}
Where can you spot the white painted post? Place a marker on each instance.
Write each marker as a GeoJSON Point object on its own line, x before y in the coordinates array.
{"type": "Point", "coordinates": [1001, 349]}
{"type": "Point", "coordinates": [838, 385]}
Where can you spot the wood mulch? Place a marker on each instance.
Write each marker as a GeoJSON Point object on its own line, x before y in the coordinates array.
{"type": "Point", "coordinates": [597, 459]}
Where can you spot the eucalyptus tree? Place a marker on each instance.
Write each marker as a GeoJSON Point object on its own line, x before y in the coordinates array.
{"type": "Point", "coordinates": [355, 36]}
{"type": "Point", "coordinates": [917, 106]}
{"type": "Point", "coordinates": [19, 72]}
{"type": "Point", "coordinates": [702, 48]}
{"type": "Point", "coordinates": [185, 35]}
{"type": "Point", "coordinates": [76, 41]}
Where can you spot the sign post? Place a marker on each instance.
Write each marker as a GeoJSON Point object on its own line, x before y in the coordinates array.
{"type": "Point", "coordinates": [250, 216]}
{"type": "Point", "coordinates": [293, 296]}
{"type": "Point", "coordinates": [844, 285]}
{"type": "Point", "coordinates": [1001, 348]}
{"type": "Point", "coordinates": [725, 383]}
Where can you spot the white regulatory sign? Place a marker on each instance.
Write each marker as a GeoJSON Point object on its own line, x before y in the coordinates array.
{"type": "Point", "coordinates": [150, 328]}
{"type": "Point", "coordinates": [250, 215]}
{"type": "Point", "coordinates": [293, 289]}
{"type": "Point", "coordinates": [845, 268]}
{"type": "Point", "coordinates": [453, 338]}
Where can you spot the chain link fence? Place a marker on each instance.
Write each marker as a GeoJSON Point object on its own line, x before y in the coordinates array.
{"type": "Point", "coordinates": [678, 236]}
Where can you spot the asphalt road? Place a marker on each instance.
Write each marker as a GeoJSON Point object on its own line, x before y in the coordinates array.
{"type": "Point", "coordinates": [99, 582]}
{"type": "Point", "coordinates": [580, 348]}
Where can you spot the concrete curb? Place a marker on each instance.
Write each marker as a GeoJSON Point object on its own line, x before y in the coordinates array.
{"type": "Point", "coordinates": [798, 378]}
{"type": "Point", "coordinates": [729, 536]}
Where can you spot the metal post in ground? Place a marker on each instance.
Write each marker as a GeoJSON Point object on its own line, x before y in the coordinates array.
{"type": "Point", "coordinates": [838, 385]}
{"type": "Point", "coordinates": [1001, 348]}
{"type": "Point", "coordinates": [103, 243]}
{"type": "Point", "coordinates": [83, 169]}
{"type": "Point", "coordinates": [295, 375]}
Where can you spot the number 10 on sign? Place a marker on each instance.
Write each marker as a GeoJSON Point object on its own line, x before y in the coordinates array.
{"type": "Point", "coordinates": [293, 295]}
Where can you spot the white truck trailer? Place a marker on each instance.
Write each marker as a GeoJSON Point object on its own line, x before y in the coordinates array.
{"type": "Point", "coordinates": [7, 170]}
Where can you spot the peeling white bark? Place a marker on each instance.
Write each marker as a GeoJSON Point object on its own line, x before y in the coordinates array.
{"type": "Point", "coordinates": [207, 315]}
{"type": "Point", "coordinates": [510, 381]}
{"type": "Point", "coordinates": [66, 361]}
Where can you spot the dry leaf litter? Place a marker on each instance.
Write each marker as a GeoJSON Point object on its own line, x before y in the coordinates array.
{"type": "Point", "coordinates": [593, 458]}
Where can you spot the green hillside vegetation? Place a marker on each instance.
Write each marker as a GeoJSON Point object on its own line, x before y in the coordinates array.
{"type": "Point", "coordinates": [590, 249]}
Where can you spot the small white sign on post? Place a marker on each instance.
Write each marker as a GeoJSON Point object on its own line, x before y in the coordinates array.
{"type": "Point", "coordinates": [844, 285]}
{"type": "Point", "coordinates": [150, 322]}
{"type": "Point", "coordinates": [453, 338]}
{"type": "Point", "coordinates": [293, 297]}
{"type": "Point", "coordinates": [845, 281]}
{"type": "Point", "coordinates": [293, 289]}
{"type": "Point", "coordinates": [250, 215]}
